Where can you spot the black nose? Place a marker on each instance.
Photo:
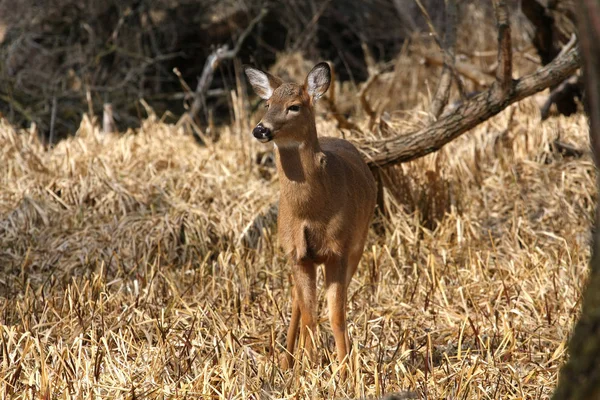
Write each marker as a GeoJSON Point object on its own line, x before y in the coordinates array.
{"type": "Point", "coordinates": [262, 133]}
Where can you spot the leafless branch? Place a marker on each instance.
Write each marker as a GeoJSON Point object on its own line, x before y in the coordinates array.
{"type": "Point", "coordinates": [432, 29]}
{"type": "Point", "coordinates": [212, 63]}
{"type": "Point", "coordinates": [468, 115]}
{"type": "Point", "coordinates": [504, 81]}
{"type": "Point", "coordinates": [469, 71]}
{"type": "Point", "coordinates": [481, 107]}
{"type": "Point", "coordinates": [570, 44]}
{"type": "Point", "coordinates": [343, 123]}
{"type": "Point", "coordinates": [407, 20]}
{"type": "Point", "coordinates": [363, 97]}
{"type": "Point", "coordinates": [108, 121]}
{"type": "Point", "coordinates": [52, 122]}
{"type": "Point", "coordinates": [442, 93]}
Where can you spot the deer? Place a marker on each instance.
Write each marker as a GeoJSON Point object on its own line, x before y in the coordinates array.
{"type": "Point", "coordinates": [326, 203]}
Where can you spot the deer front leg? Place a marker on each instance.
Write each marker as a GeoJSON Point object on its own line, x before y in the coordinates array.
{"type": "Point", "coordinates": [287, 359]}
{"type": "Point", "coordinates": [305, 279]}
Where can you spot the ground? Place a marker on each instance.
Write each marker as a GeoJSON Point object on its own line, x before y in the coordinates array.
{"type": "Point", "coordinates": [125, 271]}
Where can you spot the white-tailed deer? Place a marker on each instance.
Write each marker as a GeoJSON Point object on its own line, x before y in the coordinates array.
{"type": "Point", "coordinates": [327, 201]}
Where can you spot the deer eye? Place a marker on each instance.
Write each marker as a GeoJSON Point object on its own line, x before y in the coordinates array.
{"type": "Point", "coordinates": [294, 108]}
{"type": "Point", "coordinates": [267, 106]}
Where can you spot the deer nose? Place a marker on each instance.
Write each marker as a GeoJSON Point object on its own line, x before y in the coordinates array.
{"type": "Point", "coordinates": [262, 133]}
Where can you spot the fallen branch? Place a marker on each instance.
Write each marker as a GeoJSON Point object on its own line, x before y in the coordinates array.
{"type": "Point", "coordinates": [468, 115]}
{"type": "Point", "coordinates": [481, 107]}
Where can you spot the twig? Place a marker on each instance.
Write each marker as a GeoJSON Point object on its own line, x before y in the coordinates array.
{"type": "Point", "coordinates": [52, 122]}
{"type": "Point", "coordinates": [504, 81]}
{"type": "Point", "coordinates": [569, 88]}
{"type": "Point", "coordinates": [254, 230]}
{"type": "Point", "coordinates": [90, 103]}
{"type": "Point", "coordinates": [567, 149]}
{"type": "Point", "coordinates": [120, 23]}
{"type": "Point", "coordinates": [409, 23]}
{"type": "Point", "coordinates": [212, 63]}
{"type": "Point", "coordinates": [432, 29]}
{"type": "Point", "coordinates": [442, 93]}
{"type": "Point", "coordinates": [448, 56]}
{"type": "Point", "coordinates": [363, 97]}
{"type": "Point", "coordinates": [182, 81]}
{"type": "Point", "coordinates": [343, 123]}
{"type": "Point", "coordinates": [18, 107]}
{"type": "Point", "coordinates": [132, 73]}
{"type": "Point", "coordinates": [570, 44]}
{"type": "Point", "coordinates": [469, 71]}
{"type": "Point", "coordinates": [108, 121]}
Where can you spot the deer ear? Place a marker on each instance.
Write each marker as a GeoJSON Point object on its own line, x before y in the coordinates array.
{"type": "Point", "coordinates": [318, 80]}
{"type": "Point", "coordinates": [262, 82]}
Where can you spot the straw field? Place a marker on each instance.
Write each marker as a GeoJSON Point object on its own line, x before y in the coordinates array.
{"type": "Point", "coordinates": [125, 271]}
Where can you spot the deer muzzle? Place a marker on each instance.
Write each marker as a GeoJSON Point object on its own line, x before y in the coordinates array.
{"type": "Point", "coordinates": [262, 133]}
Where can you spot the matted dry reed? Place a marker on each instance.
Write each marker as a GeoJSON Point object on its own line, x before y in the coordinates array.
{"type": "Point", "coordinates": [123, 273]}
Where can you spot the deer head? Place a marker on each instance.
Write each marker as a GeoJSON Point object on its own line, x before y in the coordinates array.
{"type": "Point", "coordinates": [290, 118]}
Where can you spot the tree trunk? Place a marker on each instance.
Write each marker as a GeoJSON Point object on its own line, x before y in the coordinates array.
{"type": "Point", "coordinates": [580, 376]}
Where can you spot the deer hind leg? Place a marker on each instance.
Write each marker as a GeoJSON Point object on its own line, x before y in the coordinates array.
{"type": "Point", "coordinates": [354, 258]}
{"type": "Point", "coordinates": [305, 280]}
{"type": "Point", "coordinates": [336, 286]}
{"type": "Point", "coordinates": [353, 261]}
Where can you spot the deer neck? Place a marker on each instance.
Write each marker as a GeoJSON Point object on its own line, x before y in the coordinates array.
{"type": "Point", "coordinates": [298, 163]}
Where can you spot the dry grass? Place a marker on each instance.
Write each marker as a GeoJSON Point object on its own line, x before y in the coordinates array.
{"type": "Point", "coordinates": [122, 275]}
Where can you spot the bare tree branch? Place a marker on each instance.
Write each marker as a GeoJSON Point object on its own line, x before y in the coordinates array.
{"type": "Point", "coordinates": [212, 63]}
{"type": "Point", "coordinates": [469, 71]}
{"type": "Point", "coordinates": [408, 22]}
{"type": "Point", "coordinates": [52, 122]}
{"type": "Point", "coordinates": [468, 115]}
{"type": "Point", "coordinates": [443, 89]}
{"type": "Point", "coordinates": [343, 123]}
{"type": "Point", "coordinates": [432, 29]}
{"type": "Point", "coordinates": [481, 107]}
{"type": "Point", "coordinates": [363, 97]}
{"type": "Point", "coordinates": [569, 88]}
{"type": "Point", "coordinates": [504, 79]}
{"type": "Point", "coordinates": [108, 121]}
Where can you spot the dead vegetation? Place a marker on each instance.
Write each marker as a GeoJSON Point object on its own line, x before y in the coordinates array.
{"type": "Point", "coordinates": [123, 274]}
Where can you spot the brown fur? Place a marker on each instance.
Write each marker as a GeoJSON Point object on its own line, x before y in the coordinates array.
{"type": "Point", "coordinates": [326, 203]}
